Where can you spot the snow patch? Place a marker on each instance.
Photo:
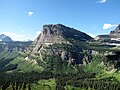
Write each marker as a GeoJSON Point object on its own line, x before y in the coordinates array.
{"type": "Point", "coordinates": [117, 39]}
{"type": "Point", "coordinates": [26, 58]}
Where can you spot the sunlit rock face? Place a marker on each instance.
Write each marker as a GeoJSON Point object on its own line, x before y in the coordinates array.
{"type": "Point", "coordinates": [58, 33]}
{"type": "Point", "coordinates": [56, 40]}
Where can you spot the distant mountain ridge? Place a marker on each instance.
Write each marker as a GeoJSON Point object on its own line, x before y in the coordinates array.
{"type": "Point", "coordinates": [5, 38]}
{"type": "Point", "coordinates": [115, 34]}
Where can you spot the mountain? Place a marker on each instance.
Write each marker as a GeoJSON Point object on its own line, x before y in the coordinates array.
{"type": "Point", "coordinates": [60, 58]}
{"type": "Point", "coordinates": [59, 34]}
{"type": "Point", "coordinates": [5, 38]}
{"type": "Point", "coordinates": [115, 33]}
{"type": "Point", "coordinates": [2, 36]}
{"type": "Point", "coordinates": [112, 36]}
{"type": "Point", "coordinates": [60, 40]}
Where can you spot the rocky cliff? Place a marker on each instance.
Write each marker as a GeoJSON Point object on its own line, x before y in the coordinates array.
{"type": "Point", "coordinates": [58, 34]}
{"type": "Point", "coordinates": [60, 40]}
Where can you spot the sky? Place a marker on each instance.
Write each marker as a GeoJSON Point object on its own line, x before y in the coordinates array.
{"type": "Point", "coordinates": [23, 19]}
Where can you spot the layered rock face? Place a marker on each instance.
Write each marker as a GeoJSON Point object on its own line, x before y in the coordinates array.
{"type": "Point", "coordinates": [58, 34]}
{"type": "Point", "coordinates": [53, 37]}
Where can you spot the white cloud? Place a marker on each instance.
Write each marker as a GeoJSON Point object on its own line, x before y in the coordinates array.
{"type": "Point", "coordinates": [15, 36]}
{"type": "Point", "coordinates": [102, 1]}
{"type": "Point", "coordinates": [38, 32]}
{"type": "Point", "coordinates": [107, 26]}
{"type": "Point", "coordinates": [30, 13]}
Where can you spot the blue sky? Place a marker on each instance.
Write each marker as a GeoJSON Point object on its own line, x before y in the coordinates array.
{"type": "Point", "coordinates": [23, 19]}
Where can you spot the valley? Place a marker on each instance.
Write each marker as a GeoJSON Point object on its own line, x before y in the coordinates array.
{"type": "Point", "coordinates": [60, 58]}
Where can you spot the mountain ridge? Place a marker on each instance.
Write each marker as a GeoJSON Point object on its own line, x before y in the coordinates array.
{"type": "Point", "coordinates": [58, 33]}
{"type": "Point", "coordinates": [5, 38]}
{"type": "Point", "coordinates": [115, 34]}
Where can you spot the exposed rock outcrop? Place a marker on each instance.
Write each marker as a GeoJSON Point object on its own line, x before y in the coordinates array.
{"type": "Point", "coordinates": [56, 39]}
{"type": "Point", "coordinates": [58, 34]}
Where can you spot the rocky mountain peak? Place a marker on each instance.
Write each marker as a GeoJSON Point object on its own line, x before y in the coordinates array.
{"type": "Point", "coordinates": [60, 40]}
{"type": "Point", "coordinates": [5, 38]}
{"type": "Point", "coordinates": [52, 29]}
{"type": "Point", "coordinates": [118, 27]}
{"type": "Point", "coordinates": [58, 30]}
{"type": "Point", "coordinates": [2, 36]}
{"type": "Point", "coordinates": [58, 33]}
{"type": "Point", "coordinates": [116, 31]}
{"type": "Point", "coordinates": [62, 30]}
{"type": "Point", "coordinates": [112, 37]}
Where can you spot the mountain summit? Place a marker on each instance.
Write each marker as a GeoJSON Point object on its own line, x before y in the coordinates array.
{"type": "Point", "coordinates": [61, 41]}
{"type": "Point", "coordinates": [5, 38]}
{"type": "Point", "coordinates": [116, 31]}
{"type": "Point", "coordinates": [59, 33]}
{"type": "Point", "coordinates": [113, 35]}
{"type": "Point", "coordinates": [118, 27]}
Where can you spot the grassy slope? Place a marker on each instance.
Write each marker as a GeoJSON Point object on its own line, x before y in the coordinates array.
{"type": "Point", "coordinates": [9, 59]}
{"type": "Point", "coordinates": [23, 65]}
